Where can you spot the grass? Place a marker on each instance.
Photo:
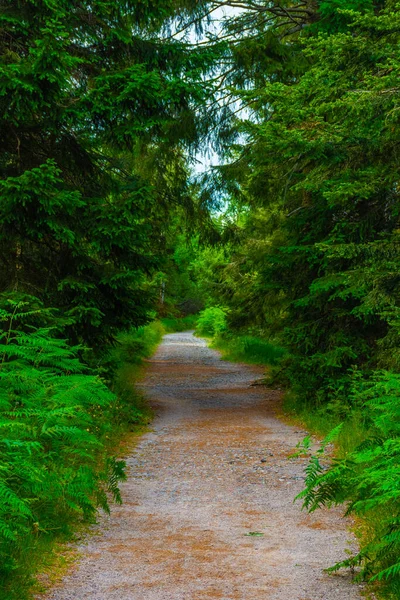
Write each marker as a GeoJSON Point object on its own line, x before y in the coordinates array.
{"type": "Point", "coordinates": [248, 349]}
{"type": "Point", "coordinates": [57, 557]}
{"type": "Point", "coordinates": [41, 563]}
{"type": "Point", "coordinates": [176, 324]}
{"type": "Point", "coordinates": [136, 345]}
{"type": "Point", "coordinates": [321, 421]}
{"type": "Point", "coordinates": [212, 324]}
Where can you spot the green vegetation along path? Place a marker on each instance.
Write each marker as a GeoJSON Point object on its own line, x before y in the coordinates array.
{"type": "Point", "coordinates": [208, 506]}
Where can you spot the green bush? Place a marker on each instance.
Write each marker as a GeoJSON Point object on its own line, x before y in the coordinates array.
{"type": "Point", "coordinates": [135, 345]}
{"type": "Point", "coordinates": [367, 478]}
{"type": "Point", "coordinates": [212, 321]}
{"type": "Point", "coordinates": [124, 366]}
{"type": "Point", "coordinates": [250, 349]}
{"type": "Point", "coordinates": [172, 325]}
{"type": "Point", "coordinates": [55, 417]}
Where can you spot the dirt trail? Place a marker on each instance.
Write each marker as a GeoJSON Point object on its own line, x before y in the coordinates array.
{"type": "Point", "coordinates": [214, 469]}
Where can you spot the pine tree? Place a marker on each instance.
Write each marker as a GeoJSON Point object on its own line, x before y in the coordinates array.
{"type": "Point", "coordinates": [316, 258]}
{"type": "Point", "coordinates": [89, 94]}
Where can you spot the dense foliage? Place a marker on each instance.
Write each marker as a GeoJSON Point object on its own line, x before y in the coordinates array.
{"type": "Point", "coordinates": [311, 254]}
{"type": "Point", "coordinates": [95, 114]}
{"type": "Point", "coordinates": [367, 478]}
{"type": "Point", "coordinates": [55, 418]}
{"type": "Point", "coordinates": [102, 104]}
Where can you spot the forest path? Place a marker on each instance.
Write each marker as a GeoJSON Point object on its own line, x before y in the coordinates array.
{"type": "Point", "coordinates": [213, 469]}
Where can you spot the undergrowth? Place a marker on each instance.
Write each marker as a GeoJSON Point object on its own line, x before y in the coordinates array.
{"type": "Point", "coordinates": [248, 349]}
{"type": "Point", "coordinates": [366, 476]}
{"type": "Point", "coordinates": [176, 324]}
{"type": "Point", "coordinates": [131, 349]}
{"type": "Point", "coordinates": [212, 323]}
{"type": "Point", "coordinates": [61, 424]}
{"type": "Point", "coordinates": [363, 474]}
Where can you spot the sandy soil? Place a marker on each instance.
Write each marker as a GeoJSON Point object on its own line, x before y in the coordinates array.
{"type": "Point", "coordinates": [214, 469]}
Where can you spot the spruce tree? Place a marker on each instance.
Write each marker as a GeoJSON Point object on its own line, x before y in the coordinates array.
{"type": "Point", "coordinates": [88, 94]}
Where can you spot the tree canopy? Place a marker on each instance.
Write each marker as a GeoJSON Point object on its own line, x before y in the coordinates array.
{"type": "Point", "coordinates": [104, 225]}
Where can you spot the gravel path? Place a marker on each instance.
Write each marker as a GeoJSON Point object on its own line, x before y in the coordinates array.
{"type": "Point", "coordinates": [214, 469]}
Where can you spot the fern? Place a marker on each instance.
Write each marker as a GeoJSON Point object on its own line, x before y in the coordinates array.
{"type": "Point", "coordinates": [54, 416]}
{"type": "Point", "coordinates": [368, 478]}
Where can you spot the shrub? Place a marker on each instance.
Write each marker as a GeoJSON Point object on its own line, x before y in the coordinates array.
{"type": "Point", "coordinates": [172, 325]}
{"type": "Point", "coordinates": [212, 321]}
{"type": "Point", "coordinates": [368, 477]}
{"type": "Point", "coordinates": [54, 418]}
{"type": "Point", "coordinates": [255, 350]}
{"type": "Point", "coordinates": [135, 345]}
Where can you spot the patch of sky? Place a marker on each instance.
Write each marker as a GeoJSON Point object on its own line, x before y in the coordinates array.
{"type": "Point", "coordinates": [200, 31]}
